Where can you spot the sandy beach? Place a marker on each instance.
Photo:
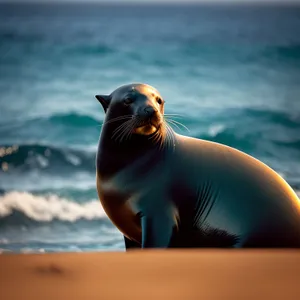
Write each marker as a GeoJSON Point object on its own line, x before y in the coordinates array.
{"type": "Point", "coordinates": [170, 274]}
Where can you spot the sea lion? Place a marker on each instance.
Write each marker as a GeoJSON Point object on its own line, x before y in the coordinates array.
{"type": "Point", "coordinates": [162, 189]}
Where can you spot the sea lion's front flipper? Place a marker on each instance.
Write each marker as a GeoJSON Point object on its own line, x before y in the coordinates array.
{"type": "Point", "coordinates": [157, 230]}
{"type": "Point", "coordinates": [130, 244]}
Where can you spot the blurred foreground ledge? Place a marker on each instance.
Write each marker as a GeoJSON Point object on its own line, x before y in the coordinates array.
{"type": "Point", "coordinates": [152, 274]}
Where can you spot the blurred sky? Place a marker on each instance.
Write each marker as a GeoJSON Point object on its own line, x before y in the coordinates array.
{"type": "Point", "coordinates": [157, 1]}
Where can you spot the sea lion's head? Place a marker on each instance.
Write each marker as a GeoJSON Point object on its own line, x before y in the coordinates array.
{"type": "Point", "coordinates": [133, 109]}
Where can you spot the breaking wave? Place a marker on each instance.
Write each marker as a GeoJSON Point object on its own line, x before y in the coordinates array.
{"type": "Point", "coordinates": [39, 156]}
{"type": "Point", "coordinates": [47, 208]}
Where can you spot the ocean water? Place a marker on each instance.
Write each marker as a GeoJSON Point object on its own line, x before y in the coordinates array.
{"type": "Point", "coordinates": [232, 72]}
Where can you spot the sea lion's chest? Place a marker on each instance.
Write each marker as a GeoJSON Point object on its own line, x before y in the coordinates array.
{"type": "Point", "coordinates": [128, 175]}
{"type": "Point", "coordinates": [122, 192]}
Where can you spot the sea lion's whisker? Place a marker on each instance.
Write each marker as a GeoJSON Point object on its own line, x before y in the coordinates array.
{"type": "Point", "coordinates": [170, 139]}
{"type": "Point", "coordinates": [154, 136]}
{"type": "Point", "coordinates": [130, 133]}
{"type": "Point", "coordinates": [164, 136]}
{"type": "Point", "coordinates": [160, 141]}
{"type": "Point", "coordinates": [169, 121]}
{"type": "Point", "coordinates": [127, 132]}
{"type": "Point", "coordinates": [116, 119]}
{"type": "Point", "coordinates": [172, 116]}
{"type": "Point", "coordinates": [168, 135]}
{"type": "Point", "coordinates": [173, 122]}
{"type": "Point", "coordinates": [123, 133]}
{"type": "Point", "coordinates": [130, 130]}
{"type": "Point", "coordinates": [119, 118]}
{"type": "Point", "coordinates": [119, 130]}
{"type": "Point", "coordinates": [157, 137]}
{"type": "Point", "coordinates": [171, 136]}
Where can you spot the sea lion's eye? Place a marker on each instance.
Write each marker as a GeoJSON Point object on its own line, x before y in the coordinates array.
{"type": "Point", "coordinates": [159, 101]}
{"type": "Point", "coordinates": [128, 101]}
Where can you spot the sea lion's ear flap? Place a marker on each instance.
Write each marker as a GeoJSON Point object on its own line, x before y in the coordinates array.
{"type": "Point", "coordinates": [104, 100]}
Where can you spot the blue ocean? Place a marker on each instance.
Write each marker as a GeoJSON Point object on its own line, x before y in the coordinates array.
{"type": "Point", "coordinates": [231, 71]}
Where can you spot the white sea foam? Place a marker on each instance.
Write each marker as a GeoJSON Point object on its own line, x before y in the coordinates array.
{"type": "Point", "coordinates": [29, 250]}
{"type": "Point", "coordinates": [43, 162]}
{"type": "Point", "coordinates": [216, 129]}
{"type": "Point", "coordinates": [73, 159]}
{"type": "Point", "coordinates": [4, 241]}
{"type": "Point", "coordinates": [48, 208]}
{"type": "Point", "coordinates": [4, 251]}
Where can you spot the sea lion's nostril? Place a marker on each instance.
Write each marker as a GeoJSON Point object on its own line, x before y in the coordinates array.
{"type": "Point", "coordinates": [149, 110]}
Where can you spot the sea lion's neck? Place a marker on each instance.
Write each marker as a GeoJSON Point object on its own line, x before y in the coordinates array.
{"type": "Point", "coordinates": [114, 156]}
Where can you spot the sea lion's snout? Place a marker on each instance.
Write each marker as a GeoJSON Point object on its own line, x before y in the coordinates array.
{"type": "Point", "coordinates": [149, 120]}
{"type": "Point", "coordinates": [147, 113]}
